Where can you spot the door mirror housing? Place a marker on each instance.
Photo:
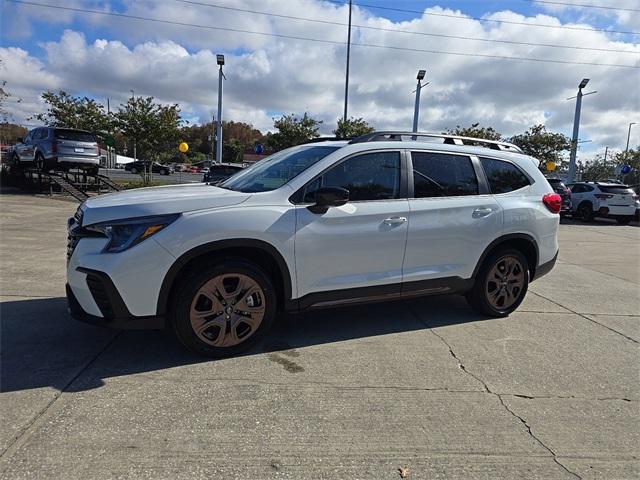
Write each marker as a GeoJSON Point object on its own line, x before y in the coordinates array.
{"type": "Point", "coordinates": [20, 140]}
{"type": "Point", "coordinates": [326, 197]}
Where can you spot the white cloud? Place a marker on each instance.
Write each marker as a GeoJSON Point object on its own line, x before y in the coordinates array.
{"type": "Point", "coordinates": [268, 75]}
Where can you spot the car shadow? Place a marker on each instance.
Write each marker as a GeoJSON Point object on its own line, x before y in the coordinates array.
{"type": "Point", "coordinates": [42, 346]}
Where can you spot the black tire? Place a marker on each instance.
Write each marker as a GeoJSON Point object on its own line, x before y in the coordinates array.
{"type": "Point", "coordinates": [15, 162]}
{"type": "Point", "coordinates": [479, 297]}
{"type": "Point", "coordinates": [585, 212]}
{"type": "Point", "coordinates": [164, 171]}
{"type": "Point", "coordinates": [189, 295]}
{"type": "Point", "coordinates": [624, 220]}
{"type": "Point", "coordinates": [134, 170]}
{"type": "Point", "coordinates": [93, 170]}
{"type": "Point", "coordinates": [39, 162]}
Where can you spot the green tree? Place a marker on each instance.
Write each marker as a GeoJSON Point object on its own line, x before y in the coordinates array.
{"type": "Point", "coordinates": [352, 127]}
{"type": "Point", "coordinates": [292, 131]}
{"type": "Point", "coordinates": [155, 128]}
{"type": "Point", "coordinates": [65, 110]}
{"type": "Point", "coordinates": [597, 169]}
{"type": "Point", "coordinates": [632, 158]}
{"type": "Point", "coordinates": [543, 145]}
{"type": "Point", "coordinates": [475, 131]}
{"type": "Point", "coordinates": [232, 151]}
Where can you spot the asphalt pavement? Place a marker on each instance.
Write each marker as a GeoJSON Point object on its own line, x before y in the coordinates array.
{"type": "Point", "coordinates": [551, 392]}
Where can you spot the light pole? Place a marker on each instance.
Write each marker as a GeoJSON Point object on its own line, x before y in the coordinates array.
{"type": "Point", "coordinates": [576, 128]}
{"type": "Point", "coordinates": [626, 150]}
{"type": "Point", "coordinates": [220, 60]}
{"type": "Point", "coordinates": [346, 81]}
{"type": "Point", "coordinates": [135, 157]}
{"type": "Point", "coordinates": [416, 108]}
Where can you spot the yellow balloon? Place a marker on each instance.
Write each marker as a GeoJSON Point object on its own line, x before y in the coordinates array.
{"type": "Point", "coordinates": [183, 147]}
{"type": "Point", "coordinates": [551, 166]}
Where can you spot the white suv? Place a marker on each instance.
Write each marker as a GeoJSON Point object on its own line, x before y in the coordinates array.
{"type": "Point", "coordinates": [385, 216]}
{"type": "Point", "coordinates": [607, 200]}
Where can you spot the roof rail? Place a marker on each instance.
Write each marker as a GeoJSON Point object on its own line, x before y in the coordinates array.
{"type": "Point", "coordinates": [448, 139]}
{"type": "Point", "coordinates": [324, 139]}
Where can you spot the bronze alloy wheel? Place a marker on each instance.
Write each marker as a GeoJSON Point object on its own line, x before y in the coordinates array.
{"type": "Point", "coordinates": [227, 310]}
{"type": "Point", "coordinates": [505, 282]}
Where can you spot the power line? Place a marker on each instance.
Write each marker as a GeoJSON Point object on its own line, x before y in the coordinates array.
{"type": "Point", "coordinates": [584, 5]}
{"type": "Point", "coordinates": [332, 42]}
{"type": "Point", "coordinates": [408, 32]}
{"type": "Point", "coordinates": [480, 19]}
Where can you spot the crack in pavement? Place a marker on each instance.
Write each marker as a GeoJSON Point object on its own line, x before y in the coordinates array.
{"type": "Point", "coordinates": [499, 396]}
{"type": "Point", "coordinates": [590, 319]}
{"type": "Point", "coordinates": [24, 433]}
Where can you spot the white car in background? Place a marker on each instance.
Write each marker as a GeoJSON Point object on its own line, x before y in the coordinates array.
{"type": "Point", "coordinates": [606, 200]}
{"type": "Point", "coordinates": [385, 216]}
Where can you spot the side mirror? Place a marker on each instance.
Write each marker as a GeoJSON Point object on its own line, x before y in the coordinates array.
{"type": "Point", "coordinates": [326, 197]}
{"type": "Point", "coordinates": [20, 140]}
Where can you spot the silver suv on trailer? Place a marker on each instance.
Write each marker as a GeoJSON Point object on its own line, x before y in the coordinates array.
{"type": "Point", "coordinates": [49, 148]}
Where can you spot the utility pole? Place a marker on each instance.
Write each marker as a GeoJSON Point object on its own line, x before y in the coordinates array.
{"type": "Point", "coordinates": [416, 108]}
{"type": "Point", "coordinates": [346, 82]}
{"type": "Point", "coordinates": [213, 136]}
{"type": "Point", "coordinates": [220, 60]}
{"type": "Point", "coordinates": [576, 128]}
{"type": "Point", "coordinates": [626, 150]}
{"type": "Point", "coordinates": [135, 154]}
{"type": "Point", "coordinates": [606, 150]}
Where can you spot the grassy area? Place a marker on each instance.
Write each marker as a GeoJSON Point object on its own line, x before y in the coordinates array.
{"type": "Point", "coordinates": [129, 184]}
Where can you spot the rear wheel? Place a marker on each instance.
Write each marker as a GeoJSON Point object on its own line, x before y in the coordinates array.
{"type": "Point", "coordinates": [164, 171]}
{"type": "Point", "coordinates": [585, 212]}
{"type": "Point", "coordinates": [224, 308]}
{"type": "Point", "coordinates": [134, 170]}
{"type": "Point", "coordinates": [501, 284]}
{"type": "Point", "coordinates": [15, 162]}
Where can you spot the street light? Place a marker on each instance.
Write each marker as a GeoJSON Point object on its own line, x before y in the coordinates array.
{"type": "Point", "coordinates": [135, 153]}
{"type": "Point", "coordinates": [220, 61]}
{"type": "Point", "coordinates": [416, 108]}
{"type": "Point", "coordinates": [576, 127]}
{"type": "Point", "coordinates": [626, 150]}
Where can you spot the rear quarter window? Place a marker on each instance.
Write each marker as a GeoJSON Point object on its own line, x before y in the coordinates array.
{"type": "Point", "coordinates": [503, 177]}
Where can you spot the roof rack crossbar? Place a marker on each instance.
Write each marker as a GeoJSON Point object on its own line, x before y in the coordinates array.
{"type": "Point", "coordinates": [448, 139]}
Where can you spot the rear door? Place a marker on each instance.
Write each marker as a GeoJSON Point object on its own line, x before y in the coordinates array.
{"type": "Point", "coordinates": [362, 243]}
{"type": "Point", "coordinates": [453, 218]}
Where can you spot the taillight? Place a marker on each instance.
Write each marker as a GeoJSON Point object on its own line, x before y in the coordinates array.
{"type": "Point", "coordinates": [553, 202]}
{"type": "Point", "coordinates": [602, 196]}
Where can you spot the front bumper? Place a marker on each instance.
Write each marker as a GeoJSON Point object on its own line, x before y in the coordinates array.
{"type": "Point", "coordinates": [112, 308]}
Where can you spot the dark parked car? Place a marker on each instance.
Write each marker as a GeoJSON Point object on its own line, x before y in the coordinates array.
{"type": "Point", "coordinates": [560, 188]}
{"type": "Point", "coordinates": [48, 148]}
{"type": "Point", "coordinates": [219, 172]}
{"type": "Point", "coordinates": [141, 167]}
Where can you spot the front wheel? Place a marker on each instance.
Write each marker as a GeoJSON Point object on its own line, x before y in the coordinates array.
{"type": "Point", "coordinates": [40, 162]}
{"type": "Point", "coordinates": [164, 171]}
{"type": "Point", "coordinates": [501, 284]}
{"type": "Point", "coordinates": [134, 170]}
{"type": "Point", "coordinates": [224, 308]}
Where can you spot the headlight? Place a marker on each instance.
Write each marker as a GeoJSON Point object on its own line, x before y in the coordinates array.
{"type": "Point", "coordinates": [124, 234]}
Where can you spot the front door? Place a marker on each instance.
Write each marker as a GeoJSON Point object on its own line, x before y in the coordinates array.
{"type": "Point", "coordinates": [359, 244]}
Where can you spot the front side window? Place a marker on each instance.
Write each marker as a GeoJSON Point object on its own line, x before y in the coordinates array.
{"type": "Point", "coordinates": [277, 169]}
{"type": "Point", "coordinates": [371, 176]}
{"type": "Point", "coordinates": [503, 177]}
{"type": "Point", "coordinates": [442, 175]}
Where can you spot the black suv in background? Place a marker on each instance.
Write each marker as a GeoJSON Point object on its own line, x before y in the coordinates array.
{"type": "Point", "coordinates": [561, 189]}
{"type": "Point", "coordinates": [141, 167]}
{"type": "Point", "coordinates": [220, 171]}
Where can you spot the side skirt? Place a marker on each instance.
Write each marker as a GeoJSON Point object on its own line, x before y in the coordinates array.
{"type": "Point", "coordinates": [379, 293]}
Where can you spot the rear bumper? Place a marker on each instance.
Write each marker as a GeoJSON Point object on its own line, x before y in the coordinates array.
{"type": "Point", "coordinates": [113, 309]}
{"type": "Point", "coordinates": [89, 161]}
{"type": "Point", "coordinates": [545, 268]}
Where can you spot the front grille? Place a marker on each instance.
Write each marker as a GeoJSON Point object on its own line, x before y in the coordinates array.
{"type": "Point", "coordinates": [99, 294]}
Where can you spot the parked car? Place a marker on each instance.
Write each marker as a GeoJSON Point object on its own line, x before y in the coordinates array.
{"type": "Point", "coordinates": [561, 189]}
{"type": "Point", "coordinates": [48, 148]}
{"type": "Point", "coordinates": [606, 200]}
{"type": "Point", "coordinates": [221, 171]}
{"type": "Point", "coordinates": [316, 225]}
{"type": "Point", "coordinates": [141, 167]}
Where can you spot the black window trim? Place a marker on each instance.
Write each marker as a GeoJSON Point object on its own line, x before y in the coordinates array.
{"type": "Point", "coordinates": [483, 186]}
{"type": "Point", "coordinates": [298, 197]}
{"type": "Point", "coordinates": [520, 169]}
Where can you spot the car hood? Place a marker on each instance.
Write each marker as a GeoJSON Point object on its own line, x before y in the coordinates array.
{"type": "Point", "coordinates": [142, 202]}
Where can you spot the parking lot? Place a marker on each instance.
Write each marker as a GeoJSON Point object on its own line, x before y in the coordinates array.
{"type": "Point", "coordinates": [551, 392]}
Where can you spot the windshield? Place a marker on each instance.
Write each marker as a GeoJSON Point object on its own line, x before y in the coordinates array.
{"type": "Point", "coordinates": [277, 169]}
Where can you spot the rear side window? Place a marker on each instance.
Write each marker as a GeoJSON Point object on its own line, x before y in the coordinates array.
{"type": "Point", "coordinates": [617, 190]}
{"type": "Point", "coordinates": [442, 175]}
{"type": "Point", "coordinates": [503, 177]}
{"type": "Point", "coordinates": [74, 135]}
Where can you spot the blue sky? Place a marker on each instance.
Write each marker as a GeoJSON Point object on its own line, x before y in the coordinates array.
{"type": "Point", "coordinates": [104, 57]}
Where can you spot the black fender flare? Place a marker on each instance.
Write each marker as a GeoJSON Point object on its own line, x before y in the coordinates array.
{"type": "Point", "coordinates": [503, 239]}
{"type": "Point", "coordinates": [216, 246]}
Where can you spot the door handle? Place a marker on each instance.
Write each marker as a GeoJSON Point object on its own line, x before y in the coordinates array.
{"type": "Point", "coordinates": [482, 212]}
{"type": "Point", "coordinates": [394, 220]}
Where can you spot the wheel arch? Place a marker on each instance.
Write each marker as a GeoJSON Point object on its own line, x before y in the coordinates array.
{"type": "Point", "coordinates": [258, 251]}
{"type": "Point", "coordinates": [520, 241]}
